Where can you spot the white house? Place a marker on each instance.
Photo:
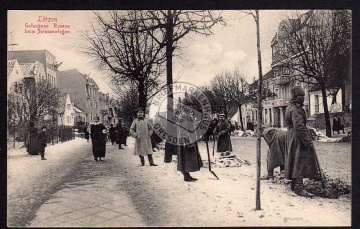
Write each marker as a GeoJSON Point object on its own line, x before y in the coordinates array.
{"type": "Point", "coordinates": [66, 111]}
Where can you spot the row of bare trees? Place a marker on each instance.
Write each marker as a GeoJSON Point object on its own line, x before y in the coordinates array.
{"type": "Point", "coordinates": [134, 45]}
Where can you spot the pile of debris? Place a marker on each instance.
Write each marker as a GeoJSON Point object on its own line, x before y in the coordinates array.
{"type": "Point", "coordinates": [334, 188]}
{"type": "Point", "coordinates": [227, 161]}
{"type": "Point", "coordinates": [318, 136]}
{"type": "Point", "coordinates": [246, 133]}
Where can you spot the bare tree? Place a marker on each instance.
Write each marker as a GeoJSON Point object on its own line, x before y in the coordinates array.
{"type": "Point", "coordinates": [171, 26]}
{"type": "Point", "coordinates": [129, 53]}
{"type": "Point", "coordinates": [315, 46]}
{"type": "Point", "coordinates": [220, 86]}
{"type": "Point", "coordinates": [239, 93]}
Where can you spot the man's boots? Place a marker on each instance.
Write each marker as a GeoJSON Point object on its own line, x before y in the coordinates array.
{"type": "Point", "coordinates": [298, 187]}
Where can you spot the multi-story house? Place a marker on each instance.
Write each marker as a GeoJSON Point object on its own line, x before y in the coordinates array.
{"type": "Point", "coordinates": [281, 78]}
{"type": "Point", "coordinates": [47, 59]}
{"type": "Point", "coordinates": [86, 97]}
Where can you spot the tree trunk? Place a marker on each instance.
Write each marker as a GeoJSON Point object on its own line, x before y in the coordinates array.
{"type": "Point", "coordinates": [169, 148]}
{"type": "Point", "coordinates": [326, 110]}
{"type": "Point", "coordinates": [142, 95]}
{"type": "Point", "coordinates": [241, 119]}
{"type": "Point", "coordinates": [259, 121]}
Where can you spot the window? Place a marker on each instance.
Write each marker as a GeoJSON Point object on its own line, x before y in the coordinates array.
{"type": "Point", "coordinates": [68, 106]}
{"type": "Point", "coordinates": [285, 71]}
{"type": "Point", "coordinates": [316, 104]}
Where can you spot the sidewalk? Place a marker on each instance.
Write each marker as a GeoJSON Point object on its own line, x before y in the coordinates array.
{"type": "Point", "coordinates": [94, 200]}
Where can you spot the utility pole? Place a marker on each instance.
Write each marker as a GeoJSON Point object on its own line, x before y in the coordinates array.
{"type": "Point", "coordinates": [259, 121]}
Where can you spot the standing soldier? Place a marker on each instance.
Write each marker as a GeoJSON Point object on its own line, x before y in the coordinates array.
{"type": "Point", "coordinates": [120, 133]}
{"type": "Point", "coordinates": [300, 158]}
{"type": "Point", "coordinates": [112, 134]}
{"type": "Point", "coordinates": [98, 139]}
{"type": "Point", "coordinates": [276, 140]}
{"type": "Point", "coordinates": [222, 131]}
{"type": "Point", "coordinates": [42, 139]}
{"type": "Point", "coordinates": [141, 130]}
{"type": "Point", "coordinates": [188, 156]}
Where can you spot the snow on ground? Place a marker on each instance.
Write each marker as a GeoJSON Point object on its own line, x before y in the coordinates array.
{"type": "Point", "coordinates": [229, 201]}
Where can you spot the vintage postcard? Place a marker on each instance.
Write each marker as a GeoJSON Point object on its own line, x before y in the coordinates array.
{"type": "Point", "coordinates": [179, 118]}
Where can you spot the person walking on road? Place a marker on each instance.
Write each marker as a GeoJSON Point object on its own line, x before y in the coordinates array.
{"type": "Point", "coordinates": [120, 133]}
{"type": "Point", "coordinates": [42, 139]}
{"type": "Point", "coordinates": [222, 131]}
{"type": "Point", "coordinates": [126, 134]}
{"type": "Point", "coordinates": [86, 133]}
{"type": "Point", "coordinates": [188, 156]}
{"type": "Point", "coordinates": [98, 139]}
{"type": "Point", "coordinates": [141, 129]}
{"type": "Point", "coordinates": [112, 134]}
{"type": "Point", "coordinates": [300, 157]}
{"type": "Point", "coordinates": [276, 140]}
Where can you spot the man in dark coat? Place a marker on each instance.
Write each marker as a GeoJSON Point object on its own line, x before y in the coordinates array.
{"type": "Point", "coordinates": [126, 134]}
{"type": "Point", "coordinates": [32, 145]}
{"type": "Point", "coordinates": [42, 139]}
{"type": "Point", "coordinates": [222, 131]}
{"type": "Point", "coordinates": [300, 158]}
{"type": "Point", "coordinates": [112, 134]}
{"type": "Point", "coordinates": [98, 139]}
{"type": "Point", "coordinates": [276, 140]}
{"type": "Point", "coordinates": [120, 133]}
{"type": "Point", "coordinates": [188, 156]}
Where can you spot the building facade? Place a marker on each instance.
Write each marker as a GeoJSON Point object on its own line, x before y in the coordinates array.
{"type": "Point", "coordinates": [47, 59]}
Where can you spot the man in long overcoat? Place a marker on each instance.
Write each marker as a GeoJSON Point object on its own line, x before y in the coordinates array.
{"type": "Point", "coordinates": [120, 133]}
{"type": "Point", "coordinates": [98, 139]}
{"type": "Point", "coordinates": [112, 134]}
{"type": "Point", "coordinates": [42, 139]}
{"type": "Point", "coordinates": [141, 129]}
{"type": "Point", "coordinates": [188, 156]}
{"type": "Point", "coordinates": [300, 158]}
{"type": "Point", "coordinates": [276, 140]}
{"type": "Point", "coordinates": [222, 131]}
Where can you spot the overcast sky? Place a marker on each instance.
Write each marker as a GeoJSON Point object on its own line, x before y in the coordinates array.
{"type": "Point", "coordinates": [232, 46]}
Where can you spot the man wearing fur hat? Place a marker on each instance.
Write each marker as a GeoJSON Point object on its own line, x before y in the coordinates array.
{"type": "Point", "coordinates": [300, 158]}
{"type": "Point", "coordinates": [222, 131]}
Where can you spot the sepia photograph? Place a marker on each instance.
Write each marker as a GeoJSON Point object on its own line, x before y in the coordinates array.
{"type": "Point", "coordinates": [179, 118]}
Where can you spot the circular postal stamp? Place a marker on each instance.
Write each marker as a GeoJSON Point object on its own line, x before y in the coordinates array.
{"type": "Point", "coordinates": [184, 117]}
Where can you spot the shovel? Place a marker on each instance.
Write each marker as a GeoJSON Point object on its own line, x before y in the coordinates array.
{"type": "Point", "coordinates": [322, 176]}
{"type": "Point", "coordinates": [208, 153]}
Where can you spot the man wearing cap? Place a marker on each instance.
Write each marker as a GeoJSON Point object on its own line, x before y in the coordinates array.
{"type": "Point", "coordinates": [98, 139]}
{"type": "Point", "coordinates": [300, 158]}
{"type": "Point", "coordinates": [222, 131]}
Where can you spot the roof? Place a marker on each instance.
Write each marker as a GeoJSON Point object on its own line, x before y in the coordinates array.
{"type": "Point", "coordinates": [77, 110]}
{"type": "Point", "coordinates": [27, 69]}
{"type": "Point", "coordinates": [268, 75]}
{"type": "Point", "coordinates": [10, 66]}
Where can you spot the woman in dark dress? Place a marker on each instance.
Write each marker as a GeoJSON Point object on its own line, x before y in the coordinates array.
{"type": "Point", "coordinates": [32, 145]}
{"type": "Point", "coordinates": [98, 139]}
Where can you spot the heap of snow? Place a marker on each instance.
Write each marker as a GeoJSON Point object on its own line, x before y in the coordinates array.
{"type": "Point", "coordinates": [226, 161]}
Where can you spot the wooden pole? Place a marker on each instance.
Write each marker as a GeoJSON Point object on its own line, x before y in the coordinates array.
{"type": "Point", "coordinates": [259, 121]}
